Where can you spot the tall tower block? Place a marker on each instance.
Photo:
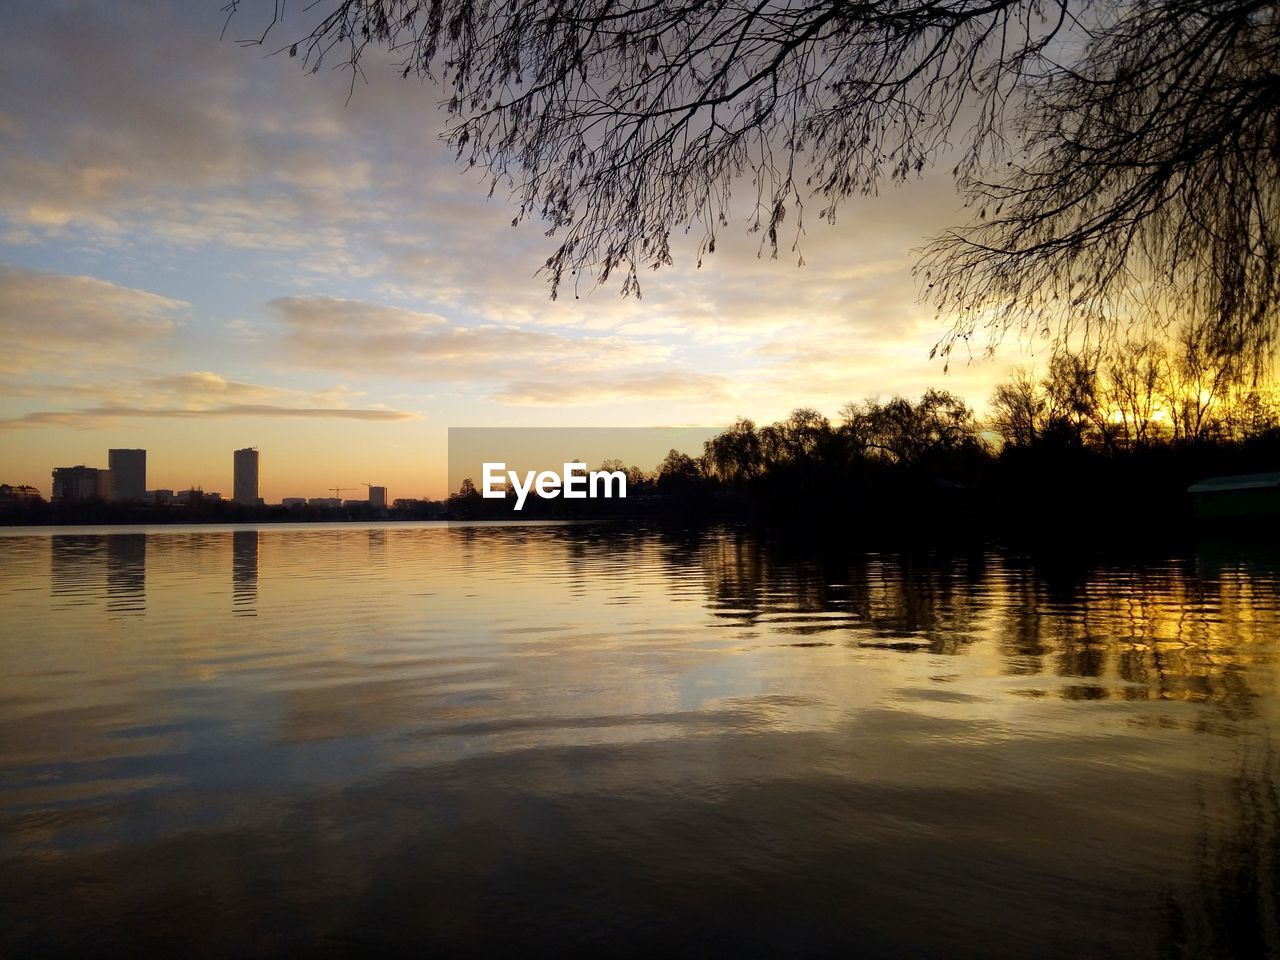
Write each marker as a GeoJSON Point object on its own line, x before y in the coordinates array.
{"type": "Point", "coordinates": [128, 474]}
{"type": "Point", "coordinates": [246, 476]}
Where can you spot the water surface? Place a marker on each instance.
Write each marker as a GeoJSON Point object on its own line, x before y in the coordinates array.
{"type": "Point", "coordinates": [358, 739]}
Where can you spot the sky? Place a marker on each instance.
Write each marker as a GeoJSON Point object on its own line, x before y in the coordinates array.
{"type": "Point", "coordinates": [203, 247]}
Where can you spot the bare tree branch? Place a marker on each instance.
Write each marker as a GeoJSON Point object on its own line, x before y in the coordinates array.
{"type": "Point", "coordinates": [1122, 159]}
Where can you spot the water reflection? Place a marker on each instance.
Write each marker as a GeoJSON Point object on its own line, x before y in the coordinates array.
{"type": "Point", "coordinates": [1181, 630]}
{"type": "Point", "coordinates": [928, 602]}
{"type": "Point", "coordinates": [1231, 911]}
{"type": "Point", "coordinates": [76, 567]}
{"type": "Point", "coordinates": [377, 546]}
{"type": "Point", "coordinates": [566, 738]}
{"type": "Point", "coordinates": [126, 574]}
{"type": "Point", "coordinates": [244, 572]}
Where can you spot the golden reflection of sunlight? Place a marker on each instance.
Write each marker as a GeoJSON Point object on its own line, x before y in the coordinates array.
{"type": "Point", "coordinates": [441, 642]}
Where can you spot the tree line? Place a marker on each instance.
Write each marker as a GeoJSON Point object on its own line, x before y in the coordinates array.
{"type": "Point", "coordinates": [1095, 434]}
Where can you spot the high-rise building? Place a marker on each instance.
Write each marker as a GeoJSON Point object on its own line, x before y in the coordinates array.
{"type": "Point", "coordinates": [246, 476]}
{"type": "Point", "coordinates": [377, 496]}
{"type": "Point", "coordinates": [128, 474]}
{"type": "Point", "coordinates": [80, 483]}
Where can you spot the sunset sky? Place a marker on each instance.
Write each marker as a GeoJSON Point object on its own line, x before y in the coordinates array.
{"type": "Point", "coordinates": [204, 248]}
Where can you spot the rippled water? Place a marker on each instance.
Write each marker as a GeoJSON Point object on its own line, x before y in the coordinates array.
{"type": "Point", "coordinates": [344, 739]}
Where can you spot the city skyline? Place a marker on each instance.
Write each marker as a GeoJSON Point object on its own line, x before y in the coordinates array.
{"type": "Point", "coordinates": [125, 479]}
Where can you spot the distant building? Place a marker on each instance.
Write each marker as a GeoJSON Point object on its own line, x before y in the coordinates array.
{"type": "Point", "coordinates": [80, 483]}
{"type": "Point", "coordinates": [160, 497]}
{"type": "Point", "coordinates": [378, 497]}
{"type": "Point", "coordinates": [328, 503]}
{"type": "Point", "coordinates": [128, 474]}
{"type": "Point", "coordinates": [189, 498]}
{"type": "Point", "coordinates": [352, 504]}
{"type": "Point", "coordinates": [292, 502]}
{"type": "Point", "coordinates": [246, 476]}
{"type": "Point", "coordinates": [406, 503]}
{"type": "Point", "coordinates": [14, 495]}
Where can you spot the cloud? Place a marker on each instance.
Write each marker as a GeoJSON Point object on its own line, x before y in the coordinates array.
{"type": "Point", "coordinates": [52, 321]}
{"type": "Point", "coordinates": [160, 131]}
{"type": "Point", "coordinates": [96, 417]}
{"type": "Point", "coordinates": [132, 136]}
{"type": "Point", "coordinates": [815, 369]}
{"type": "Point", "coordinates": [204, 386]}
{"type": "Point", "coordinates": [358, 337]}
{"type": "Point", "coordinates": [164, 131]}
{"type": "Point", "coordinates": [192, 395]}
{"type": "Point", "coordinates": [683, 385]}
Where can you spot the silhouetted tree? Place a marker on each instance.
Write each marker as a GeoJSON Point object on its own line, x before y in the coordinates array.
{"type": "Point", "coordinates": [1131, 390]}
{"type": "Point", "coordinates": [907, 433]}
{"type": "Point", "coordinates": [1137, 394]}
{"type": "Point", "coordinates": [1072, 392]}
{"type": "Point", "coordinates": [795, 440]}
{"type": "Point", "coordinates": [1019, 409]}
{"type": "Point", "coordinates": [638, 481]}
{"type": "Point", "coordinates": [1121, 158]}
{"type": "Point", "coordinates": [1251, 412]}
{"type": "Point", "coordinates": [735, 455]}
{"type": "Point", "coordinates": [678, 474]}
{"type": "Point", "coordinates": [1197, 383]}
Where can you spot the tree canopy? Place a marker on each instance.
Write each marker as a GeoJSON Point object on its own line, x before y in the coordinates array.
{"type": "Point", "coordinates": [1122, 160]}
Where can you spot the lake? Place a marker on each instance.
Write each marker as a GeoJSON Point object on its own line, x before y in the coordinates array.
{"type": "Point", "coordinates": [435, 739]}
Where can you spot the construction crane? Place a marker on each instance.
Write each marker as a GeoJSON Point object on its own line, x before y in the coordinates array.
{"type": "Point", "coordinates": [337, 491]}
